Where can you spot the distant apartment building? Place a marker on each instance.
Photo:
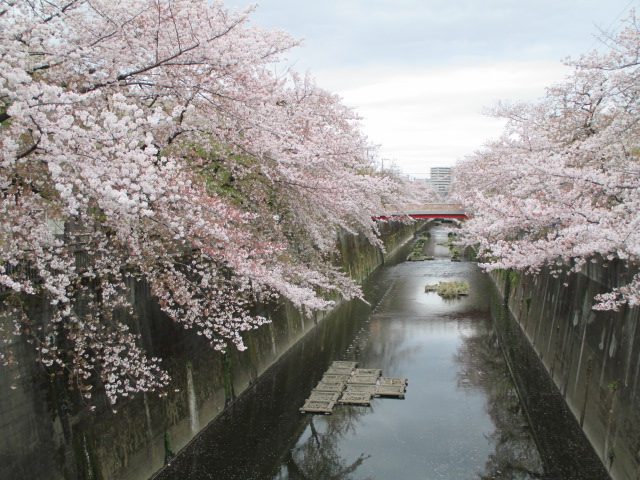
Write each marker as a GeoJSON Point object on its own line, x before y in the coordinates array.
{"type": "Point", "coordinates": [440, 180]}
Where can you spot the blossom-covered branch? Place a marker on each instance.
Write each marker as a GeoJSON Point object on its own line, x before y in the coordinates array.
{"type": "Point", "coordinates": [562, 184]}
{"type": "Point", "coordinates": [151, 140]}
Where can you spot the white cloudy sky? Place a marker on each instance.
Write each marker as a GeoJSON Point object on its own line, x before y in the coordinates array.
{"type": "Point", "coordinates": [421, 72]}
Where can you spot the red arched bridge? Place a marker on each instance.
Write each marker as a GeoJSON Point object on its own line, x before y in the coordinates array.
{"type": "Point", "coordinates": [428, 211]}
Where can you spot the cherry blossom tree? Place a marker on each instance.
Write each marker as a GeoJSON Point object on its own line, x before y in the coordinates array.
{"type": "Point", "coordinates": [562, 185]}
{"type": "Point", "coordinates": [156, 140]}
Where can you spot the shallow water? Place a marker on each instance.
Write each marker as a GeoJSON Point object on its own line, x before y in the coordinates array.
{"type": "Point", "coordinates": [460, 419]}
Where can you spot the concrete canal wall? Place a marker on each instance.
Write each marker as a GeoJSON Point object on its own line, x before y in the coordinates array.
{"type": "Point", "coordinates": [592, 357]}
{"type": "Point", "coordinates": [48, 435]}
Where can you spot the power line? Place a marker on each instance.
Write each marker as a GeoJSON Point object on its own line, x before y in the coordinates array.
{"type": "Point", "coordinates": [607, 30]}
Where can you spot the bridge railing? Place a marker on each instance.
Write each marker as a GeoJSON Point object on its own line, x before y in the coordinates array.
{"type": "Point", "coordinates": [437, 210]}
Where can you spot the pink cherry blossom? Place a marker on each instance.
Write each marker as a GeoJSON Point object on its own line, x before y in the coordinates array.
{"type": "Point", "coordinates": [561, 187]}
{"type": "Point", "coordinates": [151, 140]}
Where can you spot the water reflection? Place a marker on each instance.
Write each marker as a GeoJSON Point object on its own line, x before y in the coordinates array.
{"type": "Point", "coordinates": [317, 455]}
{"type": "Point", "coordinates": [459, 420]}
{"type": "Point", "coordinates": [515, 455]}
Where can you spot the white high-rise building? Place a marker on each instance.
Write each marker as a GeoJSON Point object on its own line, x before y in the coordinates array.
{"type": "Point", "coordinates": [441, 180]}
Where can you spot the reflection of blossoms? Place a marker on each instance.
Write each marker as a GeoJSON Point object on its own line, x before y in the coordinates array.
{"type": "Point", "coordinates": [516, 455]}
{"type": "Point", "coordinates": [156, 135]}
{"type": "Point", "coordinates": [318, 458]}
{"type": "Point", "coordinates": [562, 185]}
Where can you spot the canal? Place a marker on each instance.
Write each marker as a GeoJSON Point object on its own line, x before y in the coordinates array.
{"type": "Point", "coordinates": [461, 418]}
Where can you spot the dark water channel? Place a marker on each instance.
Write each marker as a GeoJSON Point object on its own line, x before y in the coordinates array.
{"type": "Point", "coordinates": [461, 418]}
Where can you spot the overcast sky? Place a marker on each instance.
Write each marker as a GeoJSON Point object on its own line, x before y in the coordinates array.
{"type": "Point", "coordinates": [420, 72]}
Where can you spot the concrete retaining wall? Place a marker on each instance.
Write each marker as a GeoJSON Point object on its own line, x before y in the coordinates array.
{"type": "Point", "coordinates": [47, 434]}
{"type": "Point", "coordinates": [593, 357]}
